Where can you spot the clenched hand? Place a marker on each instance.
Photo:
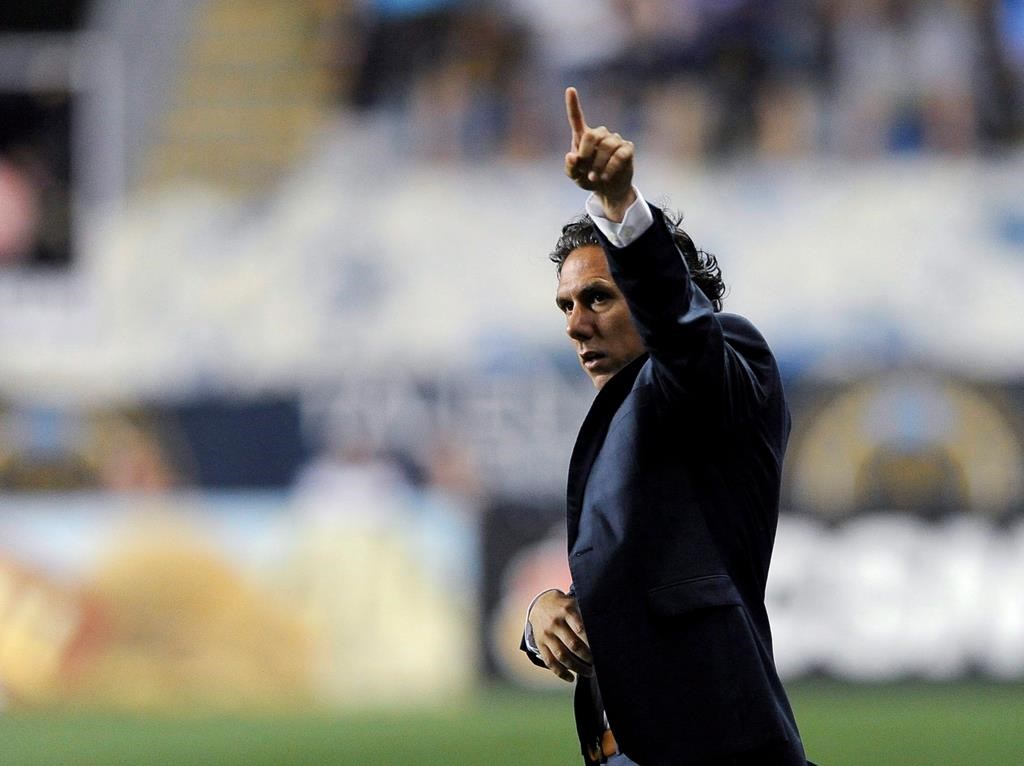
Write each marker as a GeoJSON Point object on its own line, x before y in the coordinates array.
{"type": "Point", "coordinates": [560, 637]}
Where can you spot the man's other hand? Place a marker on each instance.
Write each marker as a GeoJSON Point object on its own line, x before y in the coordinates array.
{"type": "Point", "coordinates": [599, 160]}
{"type": "Point", "coordinates": [559, 635]}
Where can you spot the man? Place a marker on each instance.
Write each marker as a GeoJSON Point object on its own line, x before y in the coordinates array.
{"type": "Point", "coordinates": [673, 492]}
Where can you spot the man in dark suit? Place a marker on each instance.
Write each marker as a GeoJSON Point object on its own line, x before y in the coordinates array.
{"type": "Point", "coordinates": [673, 492]}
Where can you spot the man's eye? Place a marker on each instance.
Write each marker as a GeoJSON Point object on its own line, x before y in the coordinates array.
{"type": "Point", "coordinates": [598, 298]}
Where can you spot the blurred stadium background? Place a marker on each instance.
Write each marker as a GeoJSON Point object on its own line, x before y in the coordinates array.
{"type": "Point", "coordinates": [285, 407]}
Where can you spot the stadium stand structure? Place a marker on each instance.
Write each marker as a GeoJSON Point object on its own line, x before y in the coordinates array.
{"type": "Point", "coordinates": [250, 92]}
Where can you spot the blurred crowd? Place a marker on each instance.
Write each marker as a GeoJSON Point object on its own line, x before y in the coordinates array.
{"type": "Point", "coordinates": [694, 79]}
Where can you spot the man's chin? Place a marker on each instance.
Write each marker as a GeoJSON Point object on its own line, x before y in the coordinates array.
{"type": "Point", "coordinates": [601, 373]}
{"type": "Point", "coordinates": [605, 373]}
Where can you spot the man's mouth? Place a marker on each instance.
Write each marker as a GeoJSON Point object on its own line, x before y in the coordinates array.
{"type": "Point", "coordinates": [591, 358]}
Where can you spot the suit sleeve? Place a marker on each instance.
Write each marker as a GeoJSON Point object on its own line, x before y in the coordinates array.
{"type": "Point", "coordinates": [695, 367]}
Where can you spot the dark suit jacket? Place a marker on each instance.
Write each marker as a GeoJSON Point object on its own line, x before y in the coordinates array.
{"type": "Point", "coordinates": [672, 506]}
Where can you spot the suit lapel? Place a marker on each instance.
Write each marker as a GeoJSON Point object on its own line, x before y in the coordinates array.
{"type": "Point", "coordinates": [591, 439]}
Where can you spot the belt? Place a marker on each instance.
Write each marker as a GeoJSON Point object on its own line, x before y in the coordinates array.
{"type": "Point", "coordinates": [605, 747]}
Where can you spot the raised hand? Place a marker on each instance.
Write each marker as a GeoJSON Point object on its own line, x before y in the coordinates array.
{"type": "Point", "coordinates": [559, 634]}
{"type": "Point", "coordinates": [599, 160]}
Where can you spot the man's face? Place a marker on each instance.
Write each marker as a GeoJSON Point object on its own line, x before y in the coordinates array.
{"type": "Point", "coordinates": [597, 317]}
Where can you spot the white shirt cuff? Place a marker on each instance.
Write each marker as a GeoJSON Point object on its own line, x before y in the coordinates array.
{"type": "Point", "coordinates": [531, 644]}
{"type": "Point", "coordinates": [636, 221]}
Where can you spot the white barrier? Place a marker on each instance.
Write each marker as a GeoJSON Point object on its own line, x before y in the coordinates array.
{"type": "Point", "coordinates": [887, 596]}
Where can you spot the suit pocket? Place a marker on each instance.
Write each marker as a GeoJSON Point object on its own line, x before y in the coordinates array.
{"type": "Point", "coordinates": [696, 593]}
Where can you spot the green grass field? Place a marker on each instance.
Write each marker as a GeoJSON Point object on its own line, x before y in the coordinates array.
{"type": "Point", "coordinates": [901, 725]}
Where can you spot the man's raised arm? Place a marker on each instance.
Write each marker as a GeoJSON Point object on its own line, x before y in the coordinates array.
{"type": "Point", "coordinates": [675, 319]}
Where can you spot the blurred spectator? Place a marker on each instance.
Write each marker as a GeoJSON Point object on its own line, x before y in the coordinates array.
{"type": "Point", "coordinates": [1010, 16]}
{"type": "Point", "coordinates": [43, 450]}
{"type": "Point", "coordinates": [463, 103]}
{"type": "Point", "coordinates": [691, 78]}
{"type": "Point", "coordinates": [790, 104]}
{"type": "Point", "coordinates": [353, 483]}
{"type": "Point", "coordinates": [442, 67]}
{"type": "Point", "coordinates": [1005, 56]}
{"type": "Point", "coordinates": [35, 151]}
{"type": "Point", "coordinates": [19, 213]}
{"type": "Point", "coordinates": [132, 459]}
{"type": "Point", "coordinates": [905, 74]}
{"type": "Point", "coordinates": [562, 45]}
{"type": "Point", "coordinates": [404, 39]}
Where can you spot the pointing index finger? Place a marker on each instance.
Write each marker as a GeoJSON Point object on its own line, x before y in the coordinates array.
{"type": "Point", "coordinates": [574, 111]}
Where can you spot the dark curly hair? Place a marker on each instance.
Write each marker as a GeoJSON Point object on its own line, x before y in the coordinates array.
{"type": "Point", "coordinates": [704, 268]}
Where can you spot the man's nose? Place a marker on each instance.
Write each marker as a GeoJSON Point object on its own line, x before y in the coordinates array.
{"type": "Point", "coordinates": [579, 325]}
